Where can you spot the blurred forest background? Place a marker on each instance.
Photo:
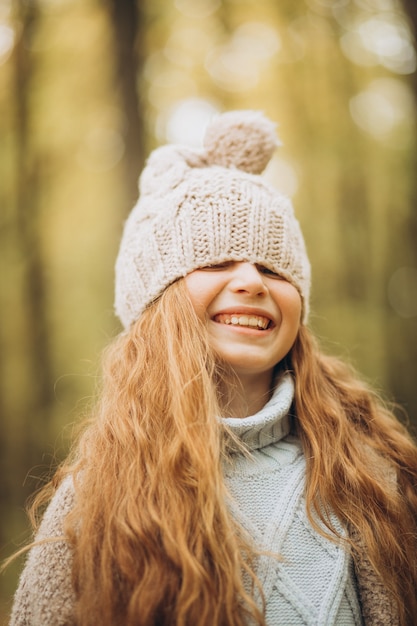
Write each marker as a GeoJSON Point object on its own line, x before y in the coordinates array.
{"type": "Point", "coordinates": [89, 87]}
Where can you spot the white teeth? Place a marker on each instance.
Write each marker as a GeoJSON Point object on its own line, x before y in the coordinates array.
{"type": "Point", "coordinates": [253, 321]}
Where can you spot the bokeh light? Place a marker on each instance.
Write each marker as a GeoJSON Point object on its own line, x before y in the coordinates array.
{"type": "Point", "coordinates": [101, 149]}
{"type": "Point", "coordinates": [385, 110]}
{"type": "Point", "coordinates": [383, 39]}
{"type": "Point", "coordinates": [236, 65]}
{"type": "Point", "coordinates": [7, 38]}
{"type": "Point", "coordinates": [283, 175]}
{"type": "Point", "coordinates": [186, 121]}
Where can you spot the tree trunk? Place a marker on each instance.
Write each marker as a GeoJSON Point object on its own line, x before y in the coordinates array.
{"type": "Point", "coordinates": [403, 350]}
{"type": "Point", "coordinates": [28, 165]}
{"type": "Point", "coordinates": [127, 21]}
{"type": "Point", "coordinates": [410, 8]}
{"type": "Point", "coordinates": [26, 384]}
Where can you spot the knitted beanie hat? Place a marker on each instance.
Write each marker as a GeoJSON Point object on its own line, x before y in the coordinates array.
{"type": "Point", "coordinates": [208, 206]}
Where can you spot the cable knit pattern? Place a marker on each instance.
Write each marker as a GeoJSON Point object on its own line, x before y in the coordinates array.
{"type": "Point", "coordinates": [271, 424]}
{"type": "Point", "coordinates": [313, 582]}
{"type": "Point", "coordinates": [199, 208]}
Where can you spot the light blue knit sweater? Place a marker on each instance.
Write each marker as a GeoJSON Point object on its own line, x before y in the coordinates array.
{"type": "Point", "coordinates": [312, 584]}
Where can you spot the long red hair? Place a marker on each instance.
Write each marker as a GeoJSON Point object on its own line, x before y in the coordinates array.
{"type": "Point", "coordinates": [361, 464]}
{"type": "Point", "coordinates": [154, 541]}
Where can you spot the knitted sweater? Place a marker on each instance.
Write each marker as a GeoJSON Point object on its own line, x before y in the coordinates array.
{"type": "Point", "coordinates": [313, 580]}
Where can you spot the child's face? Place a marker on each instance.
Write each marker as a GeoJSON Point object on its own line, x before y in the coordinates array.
{"type": "Point", "coordinates": [253, 315]}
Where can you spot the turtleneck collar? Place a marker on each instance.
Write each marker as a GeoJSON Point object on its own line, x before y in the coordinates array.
{"type": "Point", "coordinates": [271, 423]}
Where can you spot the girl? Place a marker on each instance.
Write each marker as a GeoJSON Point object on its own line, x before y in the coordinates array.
{"type": "Point", "coordinates": [232, 474]}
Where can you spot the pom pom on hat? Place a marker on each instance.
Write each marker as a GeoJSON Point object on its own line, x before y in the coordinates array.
{"type": "Point", "coordinates": [245, 140]}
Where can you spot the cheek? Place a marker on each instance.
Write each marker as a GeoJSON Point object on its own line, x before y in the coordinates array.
{"type": "Point", "coordinates": [295, 309]}
{"type": "Point", "coordinates": [289, 302]}
{"type": "Point", "coordinates": [198, 293]}
{"type": "Point", "coordinates": [291, 308]}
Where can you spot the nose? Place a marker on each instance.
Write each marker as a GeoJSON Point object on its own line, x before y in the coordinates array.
{"type": "Point", "coordinates": [246, 278]}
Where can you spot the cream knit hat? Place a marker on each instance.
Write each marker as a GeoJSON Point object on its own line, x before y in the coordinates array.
{"type": "Point", "coordinates": [202, 207]}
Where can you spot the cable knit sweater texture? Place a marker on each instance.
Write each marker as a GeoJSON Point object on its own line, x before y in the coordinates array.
{"type": "Point", "coordinates": [313, 582]}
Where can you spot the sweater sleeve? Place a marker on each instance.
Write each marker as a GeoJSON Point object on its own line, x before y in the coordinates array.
{"type": "Point", "coordinates": [378, 608]}
{"type": "Point", "coordinates": [44, 596]}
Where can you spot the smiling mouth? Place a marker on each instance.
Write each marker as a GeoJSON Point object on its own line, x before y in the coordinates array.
{"type": "Point", "coordinates": [249, 321]}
